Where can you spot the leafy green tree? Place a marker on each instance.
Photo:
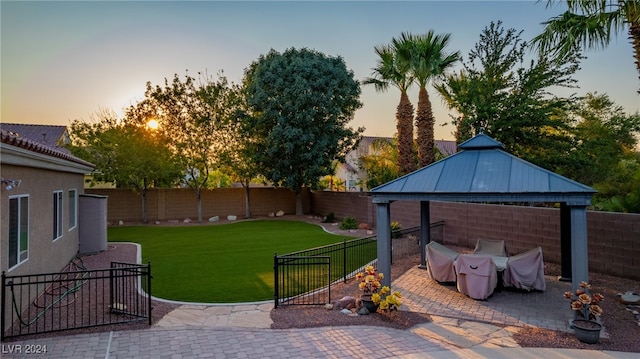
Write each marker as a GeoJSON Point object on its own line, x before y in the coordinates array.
{"type": "Point", "coordinates": [125, 151]}
{"type": "Point", "coordinates": [495, 93]}
{"type": "Point", "coordinates": [393, 69]}
{"type": "Point", "coordinates": [196, 114]}
{"type": "Point", "coordinates": [238, 158]}
{"type": "Point", "coordinates": [604, 154]}
{"type": "Point", "coordinates": [621, 190]}
{"type": "Point", "coordinates": [330, 181]}
{"type": "Point", "coordinates": [219, 179]}
{"type": "Point", "coordinates": [380, 165]}
{"type": "Point", "coordinates": [591, 24]}
{"type": "Point", "coordinates": [429, 62]}
{"type": "Point", "coordinates": [301, 102]}
{"type": "Point", "coordinates": [239, 163]}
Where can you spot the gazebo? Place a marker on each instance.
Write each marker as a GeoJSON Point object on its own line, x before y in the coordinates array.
{"type": "Point", "coordinates": [482, 171]}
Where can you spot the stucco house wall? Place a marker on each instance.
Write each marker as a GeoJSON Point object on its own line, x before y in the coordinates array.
{"type": "Point", "coordinates": [41, 171]}
{"type": "Point", "coordinates": [45, 253]}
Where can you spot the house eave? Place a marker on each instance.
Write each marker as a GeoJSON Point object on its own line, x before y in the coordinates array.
{"type": "Point", "coordinates": [12, 155]}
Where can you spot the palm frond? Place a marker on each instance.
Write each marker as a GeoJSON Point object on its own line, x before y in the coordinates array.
{"type": "Point", "coordinates": [590, 24]}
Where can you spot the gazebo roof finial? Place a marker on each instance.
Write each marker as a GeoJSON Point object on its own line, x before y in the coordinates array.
{"type": "Point", "coordinates": [480, 141]}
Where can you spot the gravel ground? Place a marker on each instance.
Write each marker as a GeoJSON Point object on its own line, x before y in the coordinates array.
{"type": "Point", "coordinates": [127, 253]}
{"type": "Point", "coordinates": [622, 326]}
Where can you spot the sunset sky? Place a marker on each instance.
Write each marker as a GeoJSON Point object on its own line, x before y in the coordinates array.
{"type": "Point", "coordinates": [62, 61]}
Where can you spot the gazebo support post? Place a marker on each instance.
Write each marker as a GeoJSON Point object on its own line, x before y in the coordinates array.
{"type": "Point", "coordinates": [579, 246]}
{"type": "Point", "coordinates": [425, 231]}
{"type": "Point", "coordinates": [383, 229]}
{"type": "Point", "coordinates": [565, 243]}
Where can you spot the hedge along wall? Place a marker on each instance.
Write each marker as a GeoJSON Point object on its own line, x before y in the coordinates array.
{"type": "Point", "coordinates": [614, 238]}
{"type": "Point", "coordinates": [166, 204]}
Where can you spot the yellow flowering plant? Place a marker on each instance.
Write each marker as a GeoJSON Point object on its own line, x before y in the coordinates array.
{"type": "Point", "coordinates": [380, 295]}
{"type": "Point", "coordinates": [369, 280]}
{"type": "Point", "coordinates": [390, 301]}
{"type": "Point", "coordinates": [585, 304]}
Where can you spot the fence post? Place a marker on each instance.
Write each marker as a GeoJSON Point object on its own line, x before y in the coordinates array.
{"type": "Point", "coordinates": [275, 280]}
{"type": "Point", "coordinates": [4, 296]}
{"type": "Point", "coordinates": [329, 282]}
{"type": "Point", "coordinates": [344, 261]}
{"type": "Point", "coordinates": [149, 292]}
{"type": "Point", "coordinates": [111, 288]}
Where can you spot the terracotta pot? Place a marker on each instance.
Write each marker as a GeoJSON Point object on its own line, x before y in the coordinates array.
{"type": "Point", "coordinates": [587, 331]}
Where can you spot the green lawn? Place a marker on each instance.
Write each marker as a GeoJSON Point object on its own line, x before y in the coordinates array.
{"type": "Point", "coordinates": [221, 263]}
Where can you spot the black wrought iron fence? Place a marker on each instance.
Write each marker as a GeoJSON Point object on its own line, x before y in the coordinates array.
{"type": "Point", "coordinates": [302, 279]}
{"type": "Point", "coordinates": [72, 299]}
{"type": "Point", "coordinates": [340, 261]}
{"type": "Point", "coordinates": [305, 277]}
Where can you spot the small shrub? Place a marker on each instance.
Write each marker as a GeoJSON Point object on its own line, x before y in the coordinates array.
{"type": "Point", "coordinates": [349, 223]}
{"type": "Point", "coordinates": [329, 218]}
{"type": "Point", "coordinates": [395, 229]}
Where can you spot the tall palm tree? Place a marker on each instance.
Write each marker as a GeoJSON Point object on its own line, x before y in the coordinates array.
{"type": "Point", "coordinates": [591, 24]}
{"type": "Point", "coordinates": [393, 70]}
{"type": "Point", "coordinates": [428, 61]}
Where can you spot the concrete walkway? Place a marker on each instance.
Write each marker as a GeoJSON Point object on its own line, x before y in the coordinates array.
{"type": "Point", "coordinates": [443, 338]}
{"type": "Point", "coordinates": [256, 315]}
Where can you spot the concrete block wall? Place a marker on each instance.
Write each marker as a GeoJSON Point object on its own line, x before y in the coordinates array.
{"type": "Point", "coordinates": [344, 204]}
{"type": "Point", "coordinates": [179, 203]}
{"type": "Point", "coordinates": [614, 238]}
{"type": "Point", "coordinates": [614, 243]}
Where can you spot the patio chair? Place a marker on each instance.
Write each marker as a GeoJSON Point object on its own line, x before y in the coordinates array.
{"type": "Point", "coordinates": [440, 262]}
{"type": "Point", "coordinates": [525, 271]}
{"type": "Point", "coordinates": [491, 247]}
{"type": "Point", "coordinates": [477, 276]}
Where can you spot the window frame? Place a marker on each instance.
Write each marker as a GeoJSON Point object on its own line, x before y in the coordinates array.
{"type": "Point", "coordinates": [72, 208]}
{"type": "Point", "coordinates": [57, 215]}
{"type": "Point", "coordinates": [22, 254]}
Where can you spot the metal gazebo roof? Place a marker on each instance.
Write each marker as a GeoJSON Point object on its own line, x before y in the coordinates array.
{"type": "Point", "coordinates": [483, 172]}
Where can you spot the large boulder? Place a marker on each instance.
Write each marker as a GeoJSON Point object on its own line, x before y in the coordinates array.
{"type": "Point", "coordinates": [347, 302]}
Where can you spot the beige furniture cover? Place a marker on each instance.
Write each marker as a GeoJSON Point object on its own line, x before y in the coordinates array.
{"type": "Point", "coordinates": [491, 247]}
{"type": "Point", "coordinates": [440, 262]}
{"type": "Point", "coordinates": [477, 275]}
{"type": "Point", "coordinates": [525, 271]}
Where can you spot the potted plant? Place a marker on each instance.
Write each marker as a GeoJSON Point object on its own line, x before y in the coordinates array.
{"type": "Point", "coordinates": [375, 295]}
{"type": "Point", "coordinates": [587, 311]}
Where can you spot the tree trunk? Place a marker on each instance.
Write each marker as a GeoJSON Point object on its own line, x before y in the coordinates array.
{"type": "Point", "coordinates": [247, 202]}
{"type": "Point", "coordinates": [404, 125]}
{"type": "Point", "coordinates": [424, 124]}
{"type": "Point", "coordinates": [299, 211]}
{"type": "Point", "coordinates": [143, 194]}
{"type": "Point", "coordinates": [199, 197]}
